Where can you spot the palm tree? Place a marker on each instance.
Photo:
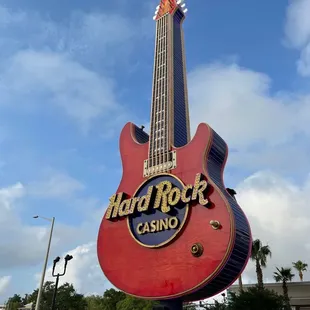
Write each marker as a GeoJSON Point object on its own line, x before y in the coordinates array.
{"type": "Point", "coordinates": [259, 255]}
{"type": "Point", "coordinates": [300, 267]}
{"type": "Point", "coordinates": [284, 275]}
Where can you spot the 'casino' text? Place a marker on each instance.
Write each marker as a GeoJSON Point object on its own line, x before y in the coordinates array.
{"type": "Point", "coordinates": [164, 197]}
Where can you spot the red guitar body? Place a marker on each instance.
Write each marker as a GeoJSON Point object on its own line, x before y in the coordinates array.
{"type": "Point", "coordinates": [172, 271]}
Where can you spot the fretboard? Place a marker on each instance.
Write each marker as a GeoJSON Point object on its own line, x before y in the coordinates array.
{"type": "Point", "coordinates": [169, 113]}
{"type": "Point", "coordinates": [159, 130]}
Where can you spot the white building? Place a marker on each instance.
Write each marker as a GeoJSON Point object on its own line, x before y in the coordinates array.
{"type": "Point", "coordinates": [26, 307]}
{"type": "Point", "coordinates": [299, 292]}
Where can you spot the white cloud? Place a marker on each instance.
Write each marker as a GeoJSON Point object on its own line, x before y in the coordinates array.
{"type": "Point", "coordinates": [49, 63]}
{"type": "Point", "coordinates": [49, 77]}
{"type": "Point", "coordinates": [4, 283]}
{"type": "Point", "coordinates": [26, 245]}
{"type": "Point", "coordinates": [15, 251]}
{"type": "Point", "coordinates": [279, 215]}
{"type": "Point", "coordinates": [9, 195]}
{"type": "Point", "coordinates": [55, 185]}
{"type": "Point", "coordinates": [259, 126]}
{"type": "Point", "coordinates": [83, 270]}
{"type": "Point", "coordinates": [237, 102]}
{"type": "Point", "coordinates": [297, 32]}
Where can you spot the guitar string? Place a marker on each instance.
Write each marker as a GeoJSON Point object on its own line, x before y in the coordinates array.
{"type": "Point", "coordinates": [159, 146]}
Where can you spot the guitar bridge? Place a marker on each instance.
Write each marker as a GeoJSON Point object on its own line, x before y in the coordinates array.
{"type": "Point", "coordinates": [149, 169]}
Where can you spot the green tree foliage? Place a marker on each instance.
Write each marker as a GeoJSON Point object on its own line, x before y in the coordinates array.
{"type": "Point", "coordinates": [131, 303]}
{"type": "Point", "coordinates": [94, 302]}
{"type": "Point", "coordinates": [300, 267]}
{"type": "Point", "coordinates": [116, 300]}
{"type": "Point", "coordinates": [256, 298]}
{"type": "Point", "coordinates": [259, 255]}
{"type": "Point", "coordinates": [67, 297]}
{"type": "Point", "coordinates": [217, 306]}
{"type": "Point", "coordinates": [189, 306]}
{"type": "Point", "coordinates": [111, 298]}
{"type": "Point", "coordinates": [14, 302]}
{"type": "Point", "coordinates": [284, 275]}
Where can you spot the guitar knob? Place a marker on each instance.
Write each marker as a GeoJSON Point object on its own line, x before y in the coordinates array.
{"type": "Point", "coordinates": [215, 224]}
{"type": "Point", "coordinates": [197, 249]}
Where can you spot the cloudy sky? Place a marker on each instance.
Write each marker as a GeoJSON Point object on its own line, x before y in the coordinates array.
{"type": "Point", "coordinates": [72, 73]}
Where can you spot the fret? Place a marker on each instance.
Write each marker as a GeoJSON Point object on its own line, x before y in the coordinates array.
{"type": "Point", "coordinates": [161, 157]}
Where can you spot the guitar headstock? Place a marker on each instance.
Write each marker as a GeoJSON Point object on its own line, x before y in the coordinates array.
{"type": "Point", "coordinates": [169, 6]}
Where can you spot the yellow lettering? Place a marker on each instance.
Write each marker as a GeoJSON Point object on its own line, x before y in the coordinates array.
{"type": "Point", "coordinates": [124, 208]}
{"type": "Point", "coordinates": [133, 205]}
{"type": "Point", "coordinates": [153, 226]}
{"type": "Point", "coordinates": [157, 226]}
{"type": "Point", "coordinates": [144, 201]}
{"type": "Point", "coordinates": [161, 200]}
{"type": "Point", "coordinates": [163, 224]}
{"type": "Point", "coordinates": [174, 196]}
{"type": "Point", "coordinates": [146, 228]}
{"type": "Point", "coordinates": [199, 188]}
{"type": "Point", "coordinates": [173, 222]}
{"type": "Point", "coordinates": [114, 205]}
{"type": "Point", "coordinates": [139, 231]}
{"type": "Point", "coordinates": [167, 196]}
{"type": "Point", "coordinates": [184, 196]}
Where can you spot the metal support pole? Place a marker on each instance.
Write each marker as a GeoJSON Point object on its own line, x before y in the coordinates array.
{"type": "Point", "coordinates": [55, 292]}
{"type": "Point", "coordinates": [44, 266]}
{"type": "Point", "coordinates": [175, 304]}
{"type": "Point", "coordinates": [56, 260]}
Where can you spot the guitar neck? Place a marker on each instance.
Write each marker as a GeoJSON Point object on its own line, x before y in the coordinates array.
{"type": "Point", "coordinates": [169, 112]}
{"type": "Point", "coordinates": [160, 137]}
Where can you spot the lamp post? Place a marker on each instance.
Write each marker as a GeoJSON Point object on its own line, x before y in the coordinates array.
{"type": "Point", "coordinates": [56, 260]}
{"type": "Point", "coordinates": [52, 220]}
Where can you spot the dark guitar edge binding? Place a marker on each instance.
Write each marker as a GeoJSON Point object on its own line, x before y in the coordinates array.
{"type": "Point", "coordinates": [240, 254]}
{"type": "Point", "coordinates": [140, 135]}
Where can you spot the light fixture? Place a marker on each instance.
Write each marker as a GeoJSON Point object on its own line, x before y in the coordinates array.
{"type": "Point", "coordinates": [68, 257]}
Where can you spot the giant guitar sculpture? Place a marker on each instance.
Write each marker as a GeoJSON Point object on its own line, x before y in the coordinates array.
{"type": "Point", "coordinates": [172, 230]}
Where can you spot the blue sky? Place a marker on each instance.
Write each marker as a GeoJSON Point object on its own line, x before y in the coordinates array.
{"type": "Point", "coordinates": [73, 73]}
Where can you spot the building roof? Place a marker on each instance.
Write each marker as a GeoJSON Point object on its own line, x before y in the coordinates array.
{"type": "Point", "coordinates": [299, 292]}
{"type": "Point", "coordinates": [273, 284]}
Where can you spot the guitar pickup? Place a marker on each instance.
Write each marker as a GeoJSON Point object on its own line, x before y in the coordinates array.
{"type": "Point", "coordinates": [149, 170]}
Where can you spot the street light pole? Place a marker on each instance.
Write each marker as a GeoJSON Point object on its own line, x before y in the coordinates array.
{"type": "Point", "coordinates": [56, 260]}
{"type": "Point", "coordinates": [46, 260]}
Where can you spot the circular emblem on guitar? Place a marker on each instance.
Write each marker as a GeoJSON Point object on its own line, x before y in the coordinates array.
{"type": "Point", "coordinates": [162, 210]}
